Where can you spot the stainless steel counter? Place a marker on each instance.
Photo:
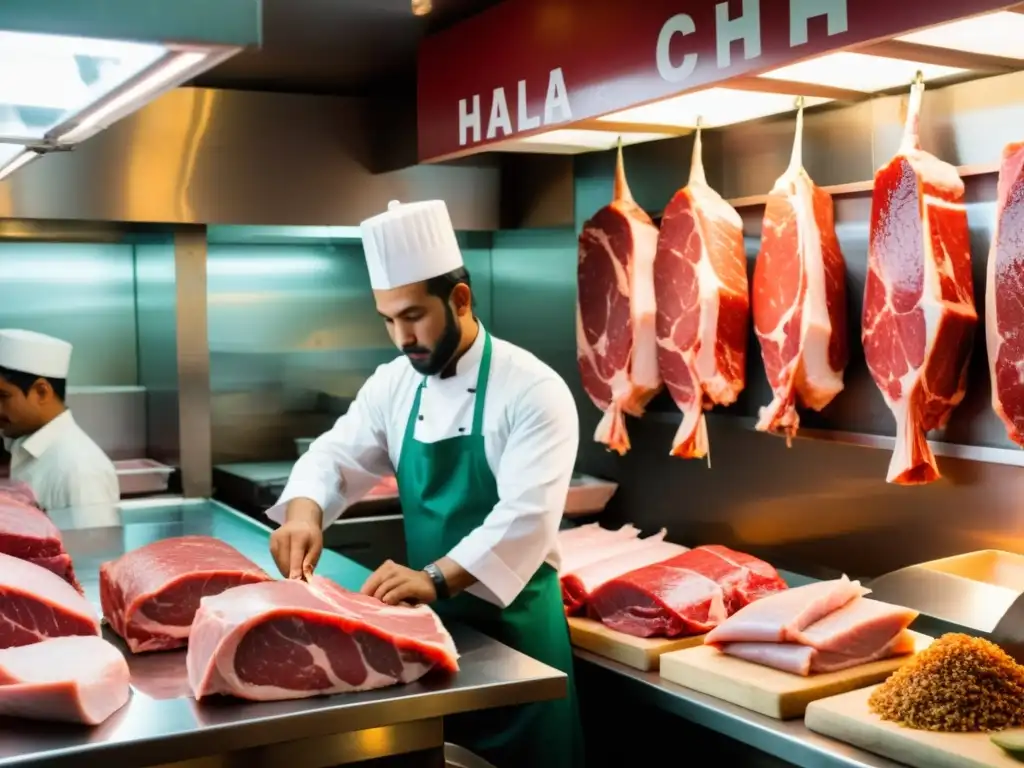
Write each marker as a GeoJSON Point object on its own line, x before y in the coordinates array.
{"type": "Point", "coordinates": [163, 724]}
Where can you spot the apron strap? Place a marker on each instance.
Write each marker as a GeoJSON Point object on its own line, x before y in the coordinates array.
{"type": "Point", "coordinates": [481, 384]}
{"type": "Point", "coordinates": [414, 413]}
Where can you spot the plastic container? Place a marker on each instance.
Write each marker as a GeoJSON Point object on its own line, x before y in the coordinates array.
{"type": "Point", "coordinates": [136, 476]}
{"type": "Point", "coordinates": [588, 495]}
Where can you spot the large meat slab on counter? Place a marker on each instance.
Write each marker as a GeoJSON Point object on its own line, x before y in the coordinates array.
{"type": "Point", "coordinates": [616, 346]}
{"type": "Point", "coordinates": [822, 627]}
{"type": "Point", "coordinates": [799, 297]}
{"type": "Point", "coordinates": [150, 595]}
{"type": "Point", "coordinates": [292, 639]}
{"type": "Point", "coordinates": [686, 595]}
{"type": "Point", "coordinates": [18, 491]}
{"type": "Point", "coordinates": [37, 604]}
{"type": "Point", "coordinates": [592, 555]}
{"type": "Point", "coordinates": [1004, 295]}
{"type": "Point", "coordinates": [700, 284]}
{"type": "Point", "coordinates": [919, 317]}
{"type": "Point", "coordinates": [26, 532]}
{"type": "Point", "coordinates": [77, 679]}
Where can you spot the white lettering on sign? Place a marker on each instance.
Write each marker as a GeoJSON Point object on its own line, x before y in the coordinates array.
{"type": "Point", "coordinates": [499, 115]}
{"type": "Point", "coordinates": [556, 110]}
{"type": "Point", "coordinates": [680, 24]}
{"type": "Point", "coordinates": [469, 120]}
{"type": "Point", "coordinates": [802, 11]}
{"type": "Point", "coordinates": [557, 98]}
{"type": "Point", "coordinates": [745, 27]}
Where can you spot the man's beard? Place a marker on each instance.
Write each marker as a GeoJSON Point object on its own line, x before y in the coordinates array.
{"type": "Point", "coordinates": [444, 351]}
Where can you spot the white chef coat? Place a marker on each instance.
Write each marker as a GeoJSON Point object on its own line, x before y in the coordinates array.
{"type": "Point", "coordinates": [64, 466]}
{"type": "Point", "coordinates": [531, 437]}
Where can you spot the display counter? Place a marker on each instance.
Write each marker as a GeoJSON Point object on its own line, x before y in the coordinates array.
{"type": "Point", "coordinates": [162, 724]}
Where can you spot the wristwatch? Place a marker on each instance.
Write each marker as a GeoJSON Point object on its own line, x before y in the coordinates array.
{"type": "Point", "coordinates": [440, 585]}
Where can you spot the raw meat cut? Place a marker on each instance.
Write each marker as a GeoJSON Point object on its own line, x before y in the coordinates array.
{"type": "Point", "coordinates": [150, 595]}
{"type": "Point", "coordinates": [919, 316]}
{"type": "Point", "coordinates": [779, 619]}
{"type": "Point", "coordinates": [820, 627]}
{"type": "Point", "coordinates": [19, 491]}
{"type": "Point", "coordinates": [578, 584]}
{"type": "Point", "coordinates": [578, 557]}
{"type": "Point", "coordinates": [26, 532]}
{"type": "Point", "coordinates": [616, 347]}
{"type": "Point", "coordinates": [687, 595]}
{"type": "Point", "coordinates": [700, 285]}
{"type": "Point", "coordinates": [799, 298]}
{"type": "Point", "coordinates": [36, 603]}
{"type": "Point", "coordinates": [69, 679]}
{"type": "Point", "coordinates": [804, 660]}
{"type": "Point", "coordinates": [585, 535]}
{"type": "Point", "coordinates": [1004, 296]}
{"type": "Point", "coordinates": [290, 640]}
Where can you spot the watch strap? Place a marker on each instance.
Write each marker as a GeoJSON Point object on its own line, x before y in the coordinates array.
{"type": "Point", "coordinates": [440, 583]}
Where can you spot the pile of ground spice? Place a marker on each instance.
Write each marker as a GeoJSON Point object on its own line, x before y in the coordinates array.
{"type": "Point", "coordinates": [958, 683]}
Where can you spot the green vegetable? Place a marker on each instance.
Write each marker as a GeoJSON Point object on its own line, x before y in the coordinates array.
{"type": "Point", "coordinates": [1011, 741]}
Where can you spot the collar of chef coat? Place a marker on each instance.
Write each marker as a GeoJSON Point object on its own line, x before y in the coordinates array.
{"type": "Point", "coordinates": [40, 441]}
{"type": "Point", "coordinates": [469, 363]}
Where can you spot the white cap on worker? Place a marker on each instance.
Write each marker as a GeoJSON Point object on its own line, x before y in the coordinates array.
{"type": "Point", "coordinates": [34, 353]}
{"type": "Point", "coordinates": [409, 243]}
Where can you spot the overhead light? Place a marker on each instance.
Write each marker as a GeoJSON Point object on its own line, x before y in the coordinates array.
{"type": "Point", "coordinates": [172, 71]}
{"type": "Point", "coordinates": [19, 160]}
{"type": "Point", "coordinates": [570, 141]}
{"type": "Point", "coordinates": [859, 72]}
{"type": "Point", "coordinates": [995, 34]}
{"type": "Point", "coordinates": [421, 7]}
{"type": "Point", "coordinates": [714, 107]}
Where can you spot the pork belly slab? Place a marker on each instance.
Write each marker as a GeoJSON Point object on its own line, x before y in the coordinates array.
{"type": "Point", "coordinates": [687, 595]}
{"type": "Point", "coordinates": [78, 679]}
{"type": "Point", "coordinates": [821, 627]}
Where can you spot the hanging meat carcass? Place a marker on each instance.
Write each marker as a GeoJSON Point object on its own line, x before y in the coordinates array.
{"type": "Point", "coordinates": [615, 337]}
{"type": "Point", "coordinates": [919, 317]}
{"type": "Point", "coordinates": [700, 284]}
{"type": "Point", "coordinates": [1004, 295]}
{"type": "Point", "coordinates": [799, 297]}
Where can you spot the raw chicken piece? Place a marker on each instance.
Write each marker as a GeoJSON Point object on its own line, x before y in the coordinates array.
{"type": "Point", "coordinates": [577, 585]}
{"type": "Point", "coordinates": [859, 628]}
{"type": "Point", "coordinates": [588, 534]}
{"type": "Point", "coordinates": [804, 660]}
{"type": "Point", "coordinates": [80, 679]}
{"type": "Point", "coordinates": [779, 617]}
{"type": "Point", "coordinates": [578, 557]}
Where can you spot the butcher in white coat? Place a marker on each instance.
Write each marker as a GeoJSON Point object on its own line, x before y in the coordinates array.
{"type": "Point", "coordinates": [482, 439]}
{"type": "Point", "coordinates": [49, 451]}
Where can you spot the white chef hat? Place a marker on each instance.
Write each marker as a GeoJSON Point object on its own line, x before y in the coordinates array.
{"type": "Point", "coordinates": [34, 353]}
{"type": "Point", "coordinates": [409, 243]}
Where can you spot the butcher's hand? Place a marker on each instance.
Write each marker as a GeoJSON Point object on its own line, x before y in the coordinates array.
{"type": "Point", "coordinates": [393, 584]}
{"type": "Point", "coordinates": [296, 545]}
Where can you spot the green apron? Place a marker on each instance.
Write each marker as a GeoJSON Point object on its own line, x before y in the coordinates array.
{"type": "Point", "coordinates": [446, 490]}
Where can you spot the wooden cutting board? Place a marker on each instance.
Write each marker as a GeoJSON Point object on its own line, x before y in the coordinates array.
{"type": "Point", "coordinates": [765, 690]}
{"type": "Point", "coordinates": [848, 719]}
{"type": "Point", "coordinates": [641, 653]}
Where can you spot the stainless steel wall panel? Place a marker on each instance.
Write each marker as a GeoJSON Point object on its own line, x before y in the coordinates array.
{"type": "Point", "coordinates": [158, 349]}
{"type": "Point", "coordinates": [199, 156]}
{"type": "Point", "coordinates": [81, 292]}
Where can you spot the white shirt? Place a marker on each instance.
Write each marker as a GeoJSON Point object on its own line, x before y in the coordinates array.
{"type": "Point", "coordinates": [64, 466]}
{"type": "Point", "coordinates": [531, 437]}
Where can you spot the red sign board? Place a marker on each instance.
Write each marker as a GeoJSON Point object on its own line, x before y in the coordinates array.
{"type": "Point", "coordinates": [527, 66]}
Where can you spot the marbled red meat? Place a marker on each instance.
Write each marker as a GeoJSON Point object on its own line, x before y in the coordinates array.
{"type": "Point", "coordinates": [686, 595]}
{"type": "Point", "coordinates": [1004, 296]}
{"type": "Point", "coordinates": [616, 346]}
{"type": "Point", "coordinates": [36, 604]}
{"type": "Point", "coordinates": [291, 639]}
{"type": "Point", "coordinates": [919, 317]}
{"type": "Point", "coordinates": [799, 298]}
{"type": "Point", "coordinates": [26, 532]}
{"type": "Point", "coordinates": [150, 595]}
{"type": "Point", "coordinates": [700, 284]}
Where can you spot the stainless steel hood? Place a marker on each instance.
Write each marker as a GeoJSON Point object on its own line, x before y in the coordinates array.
{"type": "Point", "coordinates": [70, 68]}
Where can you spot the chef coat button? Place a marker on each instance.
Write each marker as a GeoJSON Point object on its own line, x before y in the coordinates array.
{"type": "Point", "coordinates": [421, 417]}
{"type": "Point", "coordinates": [472, 391]}
{"type": "Point", "coordinates": [462, 429]}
